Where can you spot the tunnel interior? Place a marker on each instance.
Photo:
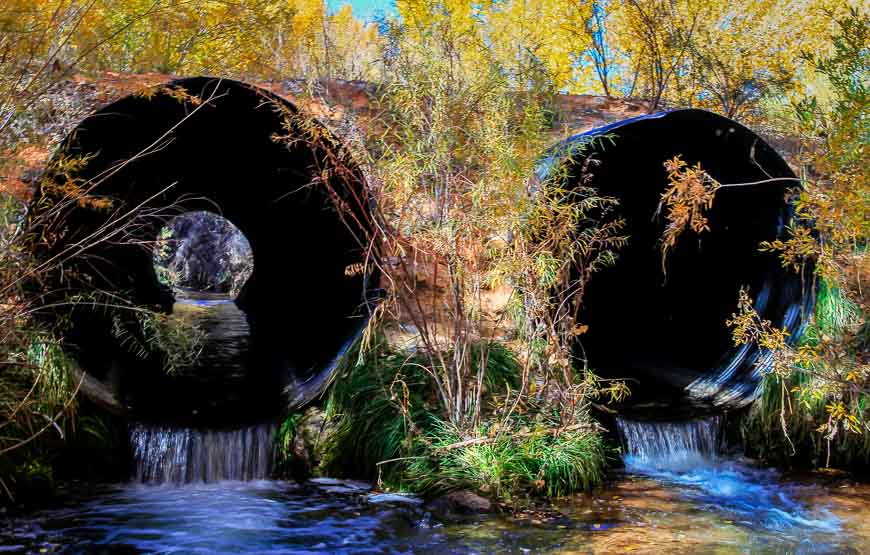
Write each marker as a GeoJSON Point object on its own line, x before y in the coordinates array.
{"type": "Point", "coordinates": [215, 148]}
{"type": "Point", "coordinates": [203, 251]}
{"type": "Point", "coordinates": [666, 334]}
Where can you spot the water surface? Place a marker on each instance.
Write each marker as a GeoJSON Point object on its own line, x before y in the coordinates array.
{"type": "Point", "coordinates": [636, 514]}
{"type": "Point", "coordinates": [678, 494]}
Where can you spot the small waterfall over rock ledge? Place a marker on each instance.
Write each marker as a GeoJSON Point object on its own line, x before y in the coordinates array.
{"type": "Point", "coordinates": [687, 456]}
{"type": "Point", "coordinates": [670, 445]}
{"type": "Point", "coordinates": [184, 455]}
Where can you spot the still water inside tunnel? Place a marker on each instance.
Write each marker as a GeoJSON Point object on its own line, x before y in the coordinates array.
{"type": "Point", "coordinates": [206, 261]}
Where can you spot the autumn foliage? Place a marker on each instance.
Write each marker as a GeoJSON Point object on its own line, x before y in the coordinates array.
{"type": "Point", "coordinates": [463, 106]}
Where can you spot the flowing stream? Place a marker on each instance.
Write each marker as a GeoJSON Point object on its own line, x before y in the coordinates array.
{"type": "Point", "coordinates": [685, 456]}
{"type": "Point", "coordinates": [676, 495]}
{"type": "Point", "coordinates": [206, 491]}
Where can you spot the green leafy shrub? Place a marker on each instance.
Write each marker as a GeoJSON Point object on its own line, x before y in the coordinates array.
{"type": "Point", "coordinates": [389, 427]}
{"type": "Point", "coordinates": [816, 396]}
{"type": "Point", "coordinates": [524, 458]}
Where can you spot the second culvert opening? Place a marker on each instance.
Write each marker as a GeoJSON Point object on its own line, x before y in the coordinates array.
{"type": "Point", "coordinates": [302, 305]}
{"type": "Point", "coordinates": [203, 251]}
{"type": "Point", "coordinates": [667, 334]}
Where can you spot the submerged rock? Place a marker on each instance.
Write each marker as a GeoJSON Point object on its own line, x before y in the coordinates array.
{"type": "Point", "coordinates": [458, 505]}
{"type": "Point", "coordinates": [400, 498]}
{"type": "Point", "coordinates": [333, 485]}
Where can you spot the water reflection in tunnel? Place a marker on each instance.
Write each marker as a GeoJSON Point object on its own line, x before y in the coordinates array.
{"type": "Point", "coordinates": [206, 260]}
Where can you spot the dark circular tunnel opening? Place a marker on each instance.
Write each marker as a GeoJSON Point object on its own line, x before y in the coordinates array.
{"type": "Point", "coordinates": [667, 334]}
{"type": "Point", "coordinates": [205, 144]}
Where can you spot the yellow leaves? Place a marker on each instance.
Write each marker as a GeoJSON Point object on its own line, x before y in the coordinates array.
{"type": "Point", "coordinates": [829, 374]}
{"type": "Point", "coordinates": [840, 414]}
{"type": "Point", "coordinates": [532, 40]}
{"type": "Point", "coordinates": [181, 95]}
{"type": "Point", "coordinates": [615, 391]}
{"type": "Point", "coordinates": [148, 93]}
{"type": "Point", "coordinates": [63, 184]}
{"type": "Point", "coordinates": [712, 53]}
{"type": "Point", "coordinates": [799, 247]}
{"type": "Point", "coordinates": [774, 339]}
{"type": "Point", "coordinates": [743, 323]}
{"type": "Point", "coordinates": [354, 269]}
{"type": "Point", "coordinates": [690, 192]}
{"type": "Point", "coordinates": [747, 326]}
{"type": "Point", "coordinates": [175, 92]}
{"type": "Point", "coordinates": [448, 24]}
{"type": "Point", "coordinates": [807, 355]}
{"type": "Point", "coordinates": [853, 424]}
{"type": "Point", "coordinates": [94, 203]}
{"type": "Point", "coordinates": [707, 53]}
{"type": "Point", "coordinates": [531, 35]}
{"type": "Point", "coordinates": [265, 39]}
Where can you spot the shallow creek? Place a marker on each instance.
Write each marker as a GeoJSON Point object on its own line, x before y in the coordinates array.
{"type": "Point", "coordinates": [728, 508]}
{"type": "Point", "coordinates": [677, 494]}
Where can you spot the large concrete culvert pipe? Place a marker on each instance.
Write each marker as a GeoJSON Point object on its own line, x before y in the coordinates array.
{"type": "Point", "coordinates": [667, 335]}
{"type": "Point", "coordinates": [305, 301]}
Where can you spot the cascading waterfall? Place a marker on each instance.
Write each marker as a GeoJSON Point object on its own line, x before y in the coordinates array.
{"type": "Point", "coordinates": [183, 455]}
{"type": "Point", "coordinates": [688, 456]}
{"type": "Point", "coordinates": [670, 445]}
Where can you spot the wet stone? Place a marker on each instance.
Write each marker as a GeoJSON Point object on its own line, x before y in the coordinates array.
{"type": "Point", "coordinates": [458, 506]}
{"type": "Point", "coordinates": [393, 498]}
{"type": "Point", "coordinates": [333, 485]}
{"type": "Point", "coordinates": [312, 434]}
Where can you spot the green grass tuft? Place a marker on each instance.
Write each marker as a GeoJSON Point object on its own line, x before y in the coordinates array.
{"type": "Point", "coordinates": [389, 428]}
{"type": "Point", "coordinates": [804, 444]}
{"type": "Point", "coordinates": [515, 462]}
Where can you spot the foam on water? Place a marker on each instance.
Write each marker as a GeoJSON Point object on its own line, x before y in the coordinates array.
{"type": "Point", "coordinates": [339, 517]}
{"type": "Point", "coordinates": [687, 455]}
